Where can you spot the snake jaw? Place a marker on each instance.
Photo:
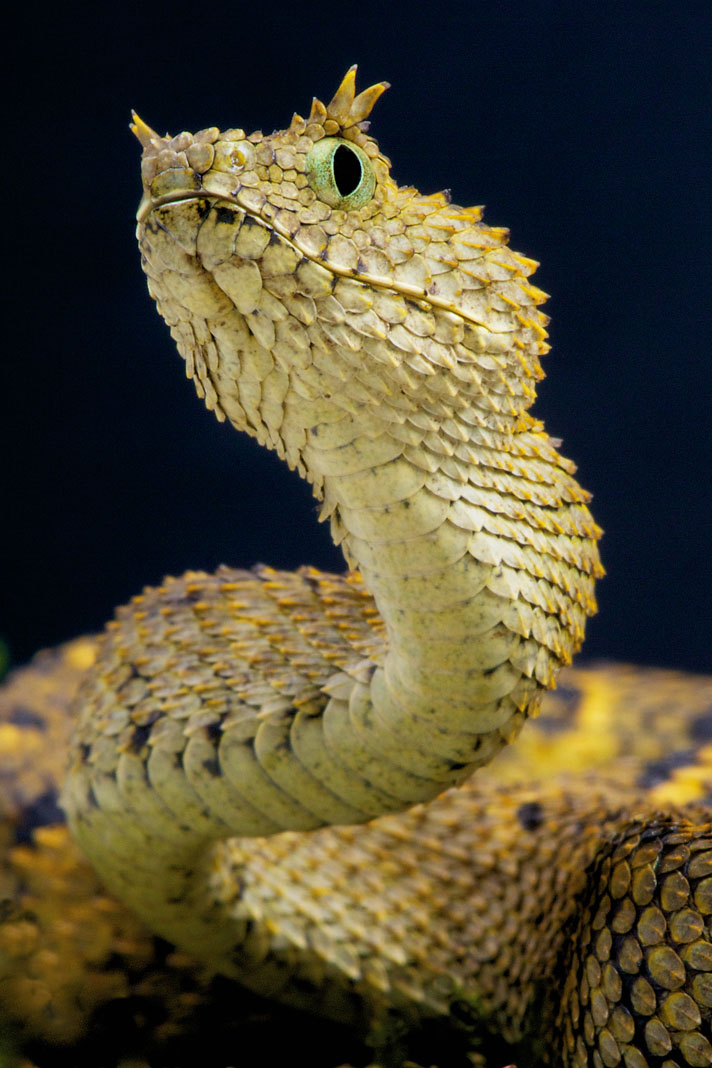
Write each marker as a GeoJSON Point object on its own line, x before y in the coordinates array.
{"type": "Point", "coordinates": [149, 203]}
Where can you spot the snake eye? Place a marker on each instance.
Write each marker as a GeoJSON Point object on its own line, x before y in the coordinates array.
{"type": "Point", "coordinates": [340, 173]}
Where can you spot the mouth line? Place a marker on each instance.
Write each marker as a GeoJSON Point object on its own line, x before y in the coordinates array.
{"type": "Point", "coordinates": [149, 203]}
{"type": "Point", "coordinates": [421, 297]}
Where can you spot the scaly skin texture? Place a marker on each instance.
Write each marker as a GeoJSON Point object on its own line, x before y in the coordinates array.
{"type": "Point", "coordinates": [387, 345]}
{"type": "Point", "coordinates": [82, 979]}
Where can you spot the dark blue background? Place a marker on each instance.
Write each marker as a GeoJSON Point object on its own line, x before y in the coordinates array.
{"type": "Point", "coordinates": [584, 127]}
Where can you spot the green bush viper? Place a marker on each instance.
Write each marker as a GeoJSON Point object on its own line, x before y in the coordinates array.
{"type": "Point", "coordinates": [272, 770]}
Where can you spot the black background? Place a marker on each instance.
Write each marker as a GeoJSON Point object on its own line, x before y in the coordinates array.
{"type": "Point", "coordinates": [583, 126]}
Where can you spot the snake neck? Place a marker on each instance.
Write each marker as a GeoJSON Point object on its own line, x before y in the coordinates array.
{"type": "Point", "coordinates": [481, 605]}
{"type": "Point", "coordinates": [443, 696]}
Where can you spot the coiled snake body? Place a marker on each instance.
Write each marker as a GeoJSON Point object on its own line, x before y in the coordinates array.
{"type": "Point", "coordinates": [386, 344]}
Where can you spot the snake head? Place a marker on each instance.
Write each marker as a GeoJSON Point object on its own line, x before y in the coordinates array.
{"type": "Point", "coordinates": [327, 157]}
{"type": "Point", "coordinates": [298, 278]}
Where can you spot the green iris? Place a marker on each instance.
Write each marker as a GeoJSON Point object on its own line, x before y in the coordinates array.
{"type": "Point", "coordinates": [340, 173]}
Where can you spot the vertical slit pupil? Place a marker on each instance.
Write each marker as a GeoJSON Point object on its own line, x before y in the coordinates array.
{"type": "Point", "coordinates": [347, 170]}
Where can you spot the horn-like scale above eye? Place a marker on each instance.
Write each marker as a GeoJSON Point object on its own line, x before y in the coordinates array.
{"type": "Point", "coordinates": [340, 173]}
